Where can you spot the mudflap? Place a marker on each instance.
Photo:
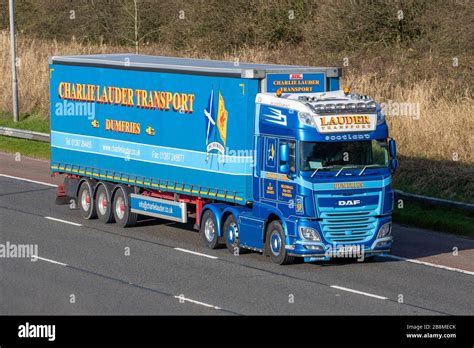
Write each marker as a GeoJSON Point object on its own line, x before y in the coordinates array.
{"type": "Point", "coordinates": [65, 200]}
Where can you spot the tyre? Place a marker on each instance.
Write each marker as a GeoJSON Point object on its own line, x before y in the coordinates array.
{"type": "Point", "coordinates": [85, 200]}
{"type": "Point", "coordinates": [121, 207]}
{"type": "Point", "coordinates": [275, 244]}
{"type": "Point", "coordinates": [103, 204]}
{"type": "Point", "coordinates": [231, 234]}
{"type": "Point", "coordinates": [208, 231]}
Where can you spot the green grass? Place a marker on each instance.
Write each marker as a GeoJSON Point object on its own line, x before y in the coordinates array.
{"type": "Point", "coordinates": [33, 122]}
{"type": "Point", "coordinates": [29, 148]}
{"type": "Point", "coordinates": [435, 218]}
{"type": "Point", "coordinates": [446, 179]}
{"type": "Point", "coordinates": [447, 185]}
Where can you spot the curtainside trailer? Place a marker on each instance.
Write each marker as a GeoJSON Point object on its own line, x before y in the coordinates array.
{"type": "Point", "coordinates": [272, 158]}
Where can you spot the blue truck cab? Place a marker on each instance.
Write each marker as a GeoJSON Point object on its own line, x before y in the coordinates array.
{"type": "Point", "coordinates": [323, 171]}
{"type": "Point", "coordinates": [273, 158]}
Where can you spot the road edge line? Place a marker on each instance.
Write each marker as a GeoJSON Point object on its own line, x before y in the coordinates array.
{"type": "Point", "coordinates": [453, 269]}
{"type": "Point", "coordinates": [28, 180]}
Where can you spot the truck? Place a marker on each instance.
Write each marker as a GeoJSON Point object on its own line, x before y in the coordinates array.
{"type": "Point", "coordinates": [278, 159]}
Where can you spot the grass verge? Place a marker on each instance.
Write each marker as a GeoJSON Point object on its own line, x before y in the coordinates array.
{"type": "Point", "coordinates": [435, 218]}
{"type": "Point", "coordinates": [34, 122]}
{"type": "Point", "coordinates": [29, 148]}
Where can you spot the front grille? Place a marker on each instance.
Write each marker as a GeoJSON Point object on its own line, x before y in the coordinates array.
{"type": "Point", "coordinates": [348, 225]}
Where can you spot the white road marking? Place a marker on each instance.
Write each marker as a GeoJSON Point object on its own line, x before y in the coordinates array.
{"type": "Point", "coordinates": [359, 292]}
{"type": "Point", "coordinates": [182, 298]}
{"type": "Point", "coordinates": [196, 253]}
{"type": "Point", "coordinates": [428, 264]}
{"type": "Point", "coordinates": [28, 180]}
{"type": "Point", "coordinates": [63, 221]}
{"type": "Point", "coordinates": [48, 260]}
{"type": "Point", "coordinates": [213, 257]}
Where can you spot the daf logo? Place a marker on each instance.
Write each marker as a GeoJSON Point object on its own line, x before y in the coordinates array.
{"type": "Point", "coordinates": [349, 202]}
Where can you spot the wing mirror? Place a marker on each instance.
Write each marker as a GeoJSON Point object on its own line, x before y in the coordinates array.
{"type": "Point", "coordinates": [284, 157]}
{"type": "Point", "coordinates": [284, 152]}
{"type": "Point", "coordinates": [392, 148]}
{"type": "Point", "coordinates": [394, 164]}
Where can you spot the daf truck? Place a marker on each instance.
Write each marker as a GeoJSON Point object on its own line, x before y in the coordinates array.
{"type": "Point", "coordinates": [278, 159]}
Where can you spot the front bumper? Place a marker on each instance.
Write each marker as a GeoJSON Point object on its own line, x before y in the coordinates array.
{"type": "Point", "coordinates": [323, 250]}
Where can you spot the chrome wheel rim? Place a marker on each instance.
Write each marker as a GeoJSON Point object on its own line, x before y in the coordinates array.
{"type": "Point", "coordinates": [209, 230]}
{"type": "Point", "coordinates": [120, 208]}
{"type": "Point", "coordinates": [232, 233]}
{"type": "Point", "coordinates": [275, 243]}
{"type": "Point", "coordinates": [102, 203]}
{"type": "Point", "coordinates": [85, 200]}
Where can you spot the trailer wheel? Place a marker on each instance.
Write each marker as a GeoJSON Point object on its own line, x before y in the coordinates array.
{"type": "Point", "coordinates": [209, 230]}
{"type": "Point", "coordinates": [276, 244]}
{"type": "Point", "coordinates": [231, 234]}
{"type": "Point", "coordinates": [103, 203]}
{"type": "Point", "coordinates": [85, 198]}
{"type": "Point", "coordinates": [121, 207]}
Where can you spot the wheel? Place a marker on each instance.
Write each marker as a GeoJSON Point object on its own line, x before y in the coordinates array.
{"type": "Point", "coordinates": [209, 230]}
{"type": "Point", "coordinates": [103, 204]}
{"type": "Point", "coordinates": [231, 234]}
{"type": "Point", "coordinates": [276, 244]}
{"type": "Point", "coordinates": [86, 201]}
{"type": "Point", "coordinates": [122, 214]}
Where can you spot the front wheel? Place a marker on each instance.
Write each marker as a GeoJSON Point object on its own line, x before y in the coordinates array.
{"type": "Point", "coordinates": [275, 244]}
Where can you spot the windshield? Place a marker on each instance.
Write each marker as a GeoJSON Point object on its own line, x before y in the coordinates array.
{"type": "Point", "coordinates": [318, 155]}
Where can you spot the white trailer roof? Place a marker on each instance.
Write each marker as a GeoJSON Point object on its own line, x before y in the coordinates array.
{"type": "Point", "coordinates": [187, 65]}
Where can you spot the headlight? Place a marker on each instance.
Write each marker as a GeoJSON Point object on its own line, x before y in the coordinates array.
{"type": "Point", "coordinates": [306, 118]}
{"type": "Point", "coordinates": [310, 234]}
{"type": "Point", "coordinates": [385, 230]}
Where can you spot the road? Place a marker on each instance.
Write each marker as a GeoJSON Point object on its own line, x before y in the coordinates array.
{"type": "Point", "coordinates": [160, 267]}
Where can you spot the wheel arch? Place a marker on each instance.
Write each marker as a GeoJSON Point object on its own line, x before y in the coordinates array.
{"type": "Point", "coordinates": [217, 209]}
{"type": "Point", "coordinates": [233, 210]}
{"type": "Point", "coordinates": [274, 215]}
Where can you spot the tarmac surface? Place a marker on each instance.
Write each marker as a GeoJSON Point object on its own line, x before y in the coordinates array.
{"type": "Point", "coordinates": [160, 267]}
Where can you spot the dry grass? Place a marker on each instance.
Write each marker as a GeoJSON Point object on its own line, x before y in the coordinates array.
{"type": "Point", "coordinates": [442, 136]}
{"type": "Point", "coordinates": [444, 128]}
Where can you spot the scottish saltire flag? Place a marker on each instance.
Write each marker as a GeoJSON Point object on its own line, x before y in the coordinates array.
{"type": "Point", "coordinates": [222, 116]}
{"type": "Point", "coordinates": [209, 113]}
